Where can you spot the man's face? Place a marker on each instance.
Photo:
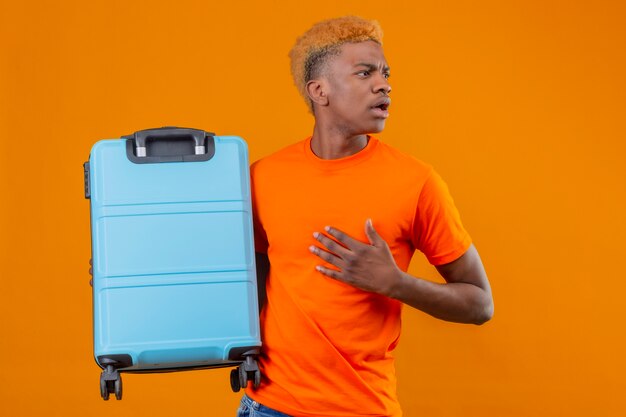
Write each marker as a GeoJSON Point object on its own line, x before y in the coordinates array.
{"type": "Point", "coordinates": [358, 88]}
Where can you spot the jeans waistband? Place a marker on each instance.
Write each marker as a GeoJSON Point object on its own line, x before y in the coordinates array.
{"type": "Point", "coordinates": [249, 402]}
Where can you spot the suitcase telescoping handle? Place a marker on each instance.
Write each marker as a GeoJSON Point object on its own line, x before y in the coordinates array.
{"type": "Point", "coordinates": [141, 137]}
{"type": "Point", "coordinates": [170, 144]}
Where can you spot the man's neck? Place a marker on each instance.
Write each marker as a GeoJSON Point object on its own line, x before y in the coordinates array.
{"type": "Point", "coordinates": [334, 144]}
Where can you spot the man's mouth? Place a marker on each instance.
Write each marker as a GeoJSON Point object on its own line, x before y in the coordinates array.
{"type": "Point", "coordinates": [381, 108]}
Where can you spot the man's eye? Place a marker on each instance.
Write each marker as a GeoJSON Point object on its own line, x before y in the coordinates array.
{"type": "Point", "coordinates": [363, 73]}
{"type": "Point", "coordinates": [387, 75]}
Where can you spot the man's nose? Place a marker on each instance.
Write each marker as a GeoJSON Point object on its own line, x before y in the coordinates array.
{"type": "Point", "coordinates": [382, 85]}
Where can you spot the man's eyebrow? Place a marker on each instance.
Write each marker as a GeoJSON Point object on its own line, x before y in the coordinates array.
{"type": "Point", "coordinates": [371, 67]}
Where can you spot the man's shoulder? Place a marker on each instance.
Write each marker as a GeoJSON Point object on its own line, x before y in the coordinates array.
{"type": "Point", "coordinates": [287, 154]}
{"type": "Point", "coordinates": [403, 160]}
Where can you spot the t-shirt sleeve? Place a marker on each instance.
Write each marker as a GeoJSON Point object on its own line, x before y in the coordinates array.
{"type": "Point", "coordinates": [437, 228]}
{"type": "Point", "coordinates": [260, 237]}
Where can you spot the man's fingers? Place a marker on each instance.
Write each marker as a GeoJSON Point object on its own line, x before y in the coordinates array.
{"type": "Point", "coordinates": [330, 244]}
{"type": "Point", "coordinates": [344, 238]}
{"type": "Point", "coordinates": [333, 273]}
{"type": "Point", "coordinates": [327, 256]}
{"type": "Point", "coordinates": [331, 259]}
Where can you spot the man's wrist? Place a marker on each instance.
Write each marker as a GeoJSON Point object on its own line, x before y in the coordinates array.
{"type": "Point", "coordinates": [395, 284]}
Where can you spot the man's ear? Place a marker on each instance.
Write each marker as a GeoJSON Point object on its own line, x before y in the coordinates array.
{"type": "Point", "coordinates": [316, 89]}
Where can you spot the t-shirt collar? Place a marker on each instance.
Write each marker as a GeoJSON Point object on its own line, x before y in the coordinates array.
{"type": "Point", "coordinates": [344, 162]}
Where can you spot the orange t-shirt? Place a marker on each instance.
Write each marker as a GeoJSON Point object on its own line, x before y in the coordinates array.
{"type": "Point", "coordinates": [328, 346]}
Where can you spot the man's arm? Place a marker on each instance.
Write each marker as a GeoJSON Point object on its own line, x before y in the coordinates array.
{"type": "Point", "coordinates": [465, 298]}
{"type": "Point", "coordinates": [262, 269]}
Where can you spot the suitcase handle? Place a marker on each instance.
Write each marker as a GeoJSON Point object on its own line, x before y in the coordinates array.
{"type": "Point", "coordinates": [169, 144]}
{"type": "Point", "coordinates": [141, 137]}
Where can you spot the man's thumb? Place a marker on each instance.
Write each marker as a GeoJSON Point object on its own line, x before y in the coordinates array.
{"type": "Point", "coordinates": [371, 233]}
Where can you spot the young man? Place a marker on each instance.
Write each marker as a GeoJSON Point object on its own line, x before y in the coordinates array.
{"type": "Point", "coordinates": [337, 219]}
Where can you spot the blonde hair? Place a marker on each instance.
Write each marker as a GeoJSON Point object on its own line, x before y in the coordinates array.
{"type": "Point", "coordinates": [312, 49]}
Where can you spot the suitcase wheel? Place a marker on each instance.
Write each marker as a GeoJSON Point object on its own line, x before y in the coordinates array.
{"type": "Point", "coordinates": [110, 382]}
{"type": "Point", "coordinates": [118, 388]}
{"type": "Point", "coordinates": [235, 385]}
{"type": "Point", "coordinates": [243, 376]}
{"type": "Point", "coordinates": [104, 391]}
{"type": "Point", "coordinates": [247, 372]}
{"type": "Point", "coordinates": [257, 378]}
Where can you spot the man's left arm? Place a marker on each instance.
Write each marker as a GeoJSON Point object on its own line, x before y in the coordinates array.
{"type": "Point", "coordinates": [464, 298]}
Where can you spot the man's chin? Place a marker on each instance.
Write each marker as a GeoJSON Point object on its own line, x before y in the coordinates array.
{"type": "Point", "coordinates": [378, 127]}
{"type": "Point", "coordinates": [370, 128]}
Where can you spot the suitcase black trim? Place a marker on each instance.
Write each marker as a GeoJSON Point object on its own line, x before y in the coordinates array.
{"type": "Point", "coordinates": [176, 146]}
{"type": "Point", "coordinates": [87, 186]}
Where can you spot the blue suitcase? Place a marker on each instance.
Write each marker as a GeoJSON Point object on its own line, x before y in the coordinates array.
{"type": "Point", "coordinates": [174, 281]}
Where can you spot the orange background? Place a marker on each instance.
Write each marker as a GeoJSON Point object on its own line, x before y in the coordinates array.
{"type": "Point", "coordinates": [519, 105]}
